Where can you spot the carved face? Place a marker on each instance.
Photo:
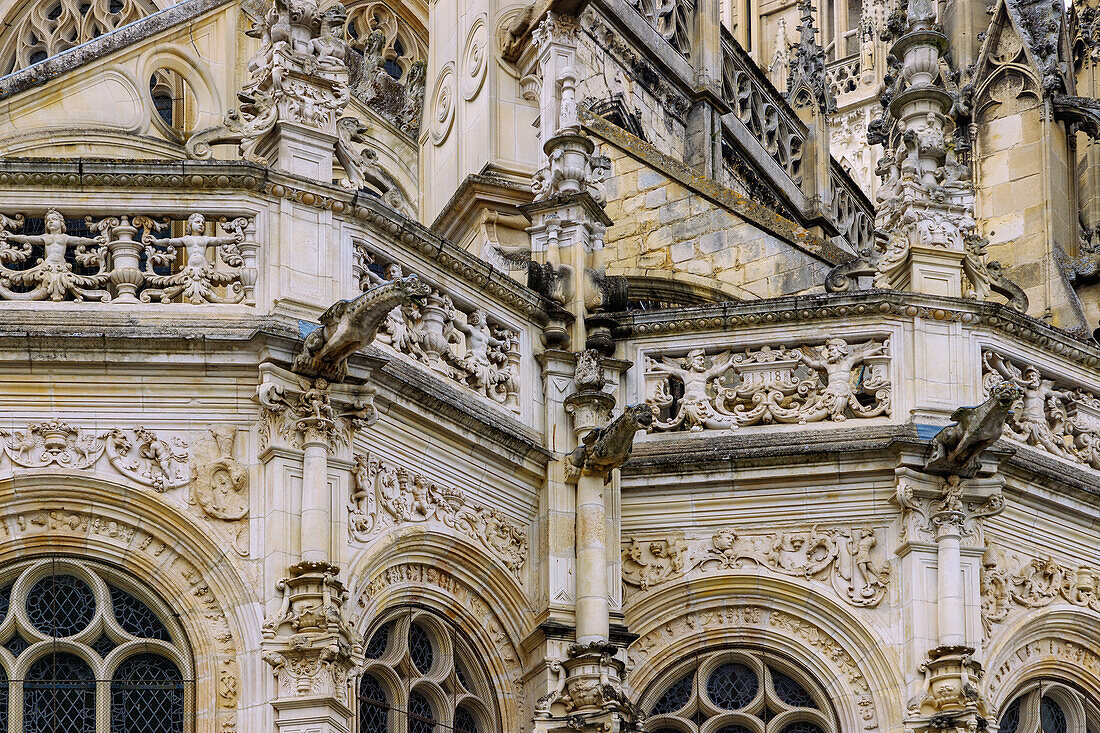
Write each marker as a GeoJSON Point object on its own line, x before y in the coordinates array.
{"type": "Point", "coordinates": [835, 350]}
{"type": "Point", "coordinates": [196, 224]}
{"type": "Point", "coordinates": [696, 361]}
{"type": "Point", "coordinates": [413, 289]}
{"type": "Point", "coordinates": [55, 223]}
{"type": "Point", "coordinates": [1007, 393]}
{"type": "Point", "coordinates": [641, 415]}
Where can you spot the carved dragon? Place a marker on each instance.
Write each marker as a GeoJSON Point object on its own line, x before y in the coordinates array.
{"type": "Point", "coordinates": [957, 449]}
{"type": "Point", "coordinates": [348, 325]}
{"type": "Point", "coordinates": [605, 449]}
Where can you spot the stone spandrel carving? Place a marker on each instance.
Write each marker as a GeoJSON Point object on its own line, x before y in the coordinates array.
{"type": "Point", "coordinates": [835, 381]}
{"type": "Point", "coordinates": [845, 558]}
{"type": "Point", "coordinates": [1052, 415]}
{"type": "Point", "coordinates": [464, 344]}
{"type": "Point", "coordinates": [54, 264]}
{"type": "Point", "coordinates": [220, 485]}
{"type": "Point", "coordinates": [386, 496]}
{"type": "Point", "coordinates": [1009, 581]}
{"type": "Point", "coordinates": [138, 454]}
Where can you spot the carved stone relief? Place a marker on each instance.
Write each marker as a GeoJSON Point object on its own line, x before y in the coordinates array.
{"type": "Point", "coordinates": [1061, 650]}
{"type": "Point", "coordinates": [442, 106]}
{"type": "Point", "coordinates": [474, 59]}
{"type": "Point", "coordinates": [1008, 581]}
{"type": "Point", "coordinates": [387, 496]}
{"type": "Point", "coordinates": [844, 558]}
{"type": "Point", "coordinates": [834, 381]}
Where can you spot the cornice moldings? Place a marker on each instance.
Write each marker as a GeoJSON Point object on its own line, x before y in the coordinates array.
{"type": "Point", "coordinates": [221, 175]}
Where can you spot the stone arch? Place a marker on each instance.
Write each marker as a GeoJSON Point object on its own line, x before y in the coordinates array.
{"type": "Point", "coordinates": [48, 513]}
{"type": "Point", "coordinates": [453, 577]}
{"type": "Point", "coordinates": [839, 649]}
{"type": "Point", "coordinates": [1059, 643]}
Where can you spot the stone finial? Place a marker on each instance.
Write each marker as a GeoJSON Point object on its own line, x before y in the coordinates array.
{"type": "Point", "coordinates": [957, 449]}
{"type": "Point", "coordinates": [348, 325]}
{"type": "Point", "coordinates": [806, 82]}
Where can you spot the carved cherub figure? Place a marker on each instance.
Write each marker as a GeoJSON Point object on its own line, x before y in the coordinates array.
{"type": "Point", "coordinates": [196, 281]}
{"type": "Point", "coordinates": [697, 410]}
{"type": "Point", "coordinates": [1043, 406]}
{"type": "Point", "coordinates": [53, 276]}
{"type": "Point", "coordinates": [836, 358]}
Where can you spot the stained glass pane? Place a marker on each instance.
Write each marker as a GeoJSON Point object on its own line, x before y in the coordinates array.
{"type": "Point", "coordinates": [465, 721]}
{"type": "Point", "coordinates": [377, 646]}
{"type": "Point", "coordinates": [1052, 716]}
{"type": "Point", "coordinates": [1010, 718]}
{"type": "Point", "coordinates": [3, 699]}
{"type": "Point", "coordinates": [674, 698]}
{"type": "Point", "coordinates": [373, 704]}
{"type": "Point", "coordinates": [103, 645]}
{"type": "Point", "coordinates": [60, 605]}
{"type": "Point", "coordinates": [732, 686]}
{"type": "Point", "coordinates": [421, 719]}
{"type": "Point", "coordinates": [734, 729]}
{"type": "Point", "coordinates": [16, 644]}
{"type": "Point", "coordinates": [59, 696]}
{"type": "Point", "coordinates": [789, 691]}
{"type": "Point", "coordinates": [420, 648]}
{"type": "Point", "coordinates": [802, 726]}
{"type": "Point", "coordinates": [461, 676]}
{"type": "Point", "coordinates": [147, 696]}
{"type": "Point", "coordinates": [5, 599]}
{"type": "Point", "coordinates": [137, 618]}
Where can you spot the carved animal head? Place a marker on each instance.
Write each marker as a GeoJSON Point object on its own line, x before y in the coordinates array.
{"type": "Point", "coordinates": [413, 290]}
{"type": "Point", "coordinates": [1006, 393]}
{"type": "Point", "coordinates": [641, 416]}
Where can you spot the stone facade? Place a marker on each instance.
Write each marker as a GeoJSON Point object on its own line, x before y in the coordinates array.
{"type": "Point", "coordinates": [709, 367]}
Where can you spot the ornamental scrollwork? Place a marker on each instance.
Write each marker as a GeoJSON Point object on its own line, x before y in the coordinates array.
{"type": "Point", "coordinates": [1052, 415]}
{"type": "Point", "coordinates": [844, 558]}
{"type": "Point", "coordinates": [138, 454]}
{"type": "Point", "coordinates": [835, 381]}
{"type": "Point", "coordinates": [112, 266]}
{"type": "Point", "coordinates": [465, 345]}
{"type": "Point", "coordinates": [386, 496]}
{"type": "Point", "coordinates": [1011, 581]}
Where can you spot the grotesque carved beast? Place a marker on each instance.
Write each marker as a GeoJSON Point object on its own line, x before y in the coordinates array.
{"type": "Point", "coordinates": [957, 449]}
{"type": "Point", "coordinates": [605, 449]}
{"type": "Point", "coordinates": [349, 325]}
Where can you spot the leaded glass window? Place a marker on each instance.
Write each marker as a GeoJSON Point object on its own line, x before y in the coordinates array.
{"type": "Point", "coordinates": [423, 676]}
{"type": "Point", "coordinates": [737, 691]}
{"type": "Point", "coordinates": [87, 652]}
{"type": "Point", "coordinates": [1049, 706]}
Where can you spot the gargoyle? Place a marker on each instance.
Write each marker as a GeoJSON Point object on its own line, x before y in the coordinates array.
{"type": "Point", "coordinates": [348, 325]}
{"type": "Point", "coordinates": [957, 449]}
{"type": "Point", "coordinates": [607, 448]}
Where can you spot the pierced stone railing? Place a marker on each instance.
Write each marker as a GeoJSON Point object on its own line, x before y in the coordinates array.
{"type": "Point", "coordinates": [673, 19]}
{"type": "Point", "coordinates": [1053, 415]}
{"type": "Point", "coordinates": [833, 381]}
{"type": "Point", "coordinates": [462, 343]}
{"type": "Point", "coordinates": [761, 109]}
{"type": "Point", "coordinates": [842, 75]}
{"type": "Point", "coordinates": [852, 212]}
{"type": "Point", "coordinates": [127, 259]}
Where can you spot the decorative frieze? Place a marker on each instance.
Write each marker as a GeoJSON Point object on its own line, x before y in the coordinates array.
{"type": "Point", "coordinates": [1011, 581]}
{"type": "Point", "coordinates": [463, 344]}
{"type": "Point", "coordinates": [834, 381]}
{"type": "Point", "coordinates": [138, 454]}
{"type": "Point", "coordinates": [111, 266]}
{"type": "Point", "coordinates": [1053, 415]}
{"type": "Point", "coordinates": [844, 558]}
{"type": "Point", "coordinates": [387, 496]}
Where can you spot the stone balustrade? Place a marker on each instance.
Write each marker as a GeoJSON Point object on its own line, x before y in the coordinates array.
{"type": "Point", "coordinates": [123, 258]}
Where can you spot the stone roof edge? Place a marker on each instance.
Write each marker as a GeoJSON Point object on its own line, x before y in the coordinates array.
{"type": "Point", "coordinates": [825, 306]}
{"type": "Point", "coordinates": [221, 174]}
{"type": "Point", "coordinates": [108, 43]}
{"type": "Point", "coordinates": [779, 226]}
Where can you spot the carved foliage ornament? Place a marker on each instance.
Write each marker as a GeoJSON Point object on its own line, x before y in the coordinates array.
{"type": "Point", "coordinates": [387, 496]}
{"type": "Point", "coordinates": [844, 558]}
{"type": "Point", "coordinates": [1010, 581]}
{"type": "Point", "coordinates": [834, 381]}
{"type": "Point", "coordinates": [312, 413]}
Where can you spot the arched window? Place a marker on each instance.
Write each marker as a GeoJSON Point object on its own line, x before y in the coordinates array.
{"type": "Point", "coordinates": [66, 627]}
{"type": "Point", "coordinates": [1048, 706]}
{"type": "Point", "coordinates": [423, 676]}
{"type": "Point", "coordinates": [737, 691]}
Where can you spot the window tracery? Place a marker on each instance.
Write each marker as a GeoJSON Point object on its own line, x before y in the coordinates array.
{"type": "Point", "coordinates": [738, 691]}
{"type": "Point", "coordinates": [1049, 707]}
{"type": "Point", "coordinates": [45, 28]}
{"type": "Point", "coordinates": [81, 651]}
{"type": "Point", "coordinates": [422, 676]}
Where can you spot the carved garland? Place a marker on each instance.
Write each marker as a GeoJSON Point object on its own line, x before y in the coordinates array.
{"type": "Point", "coordinates": [1032, 583]}
{"type": "Point", "coordinates": [841, 557]}
{"type": "Point", "coordinates": [736, 617]}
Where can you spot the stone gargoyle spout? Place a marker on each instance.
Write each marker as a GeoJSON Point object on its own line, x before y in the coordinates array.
{"type": "Point", "coordinates": [605, 449]}
{"type": "Point", "coordinates": [349, 325]}
{"type": "Point", "coordinates": [957, 449]}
